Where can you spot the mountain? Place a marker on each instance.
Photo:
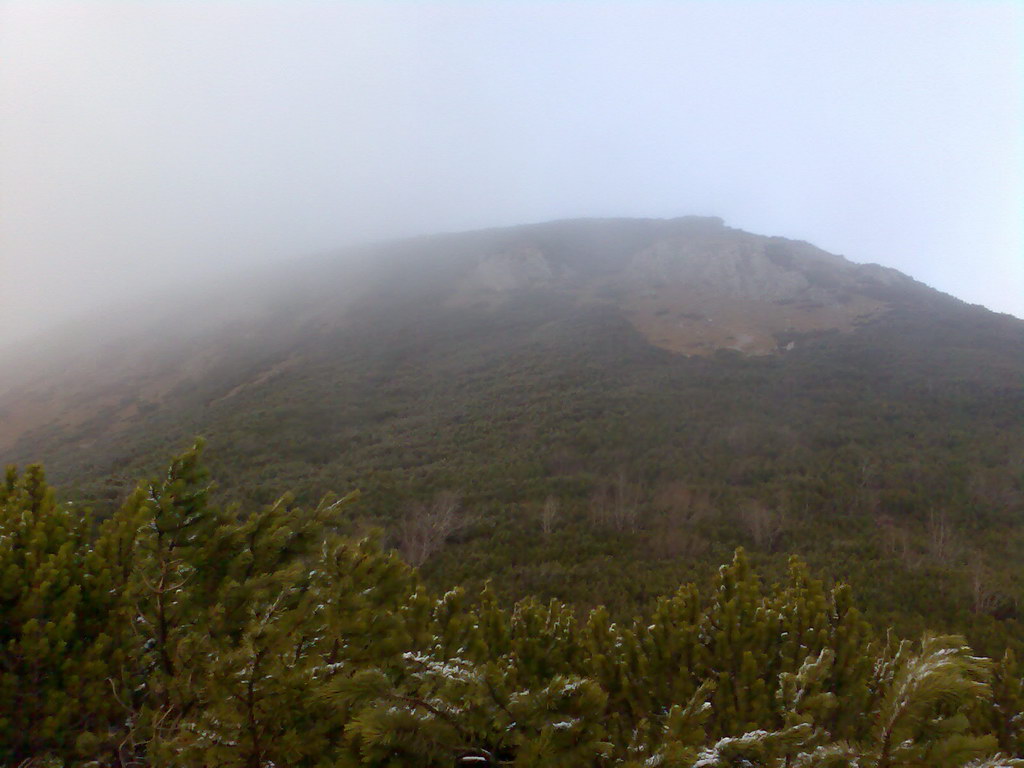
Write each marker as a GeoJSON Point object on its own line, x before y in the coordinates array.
{"type": "Point", "coordinates": [603, 407]}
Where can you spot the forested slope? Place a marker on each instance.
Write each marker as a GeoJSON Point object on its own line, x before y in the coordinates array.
{"type": "Point", "coordinates": [511, 409]}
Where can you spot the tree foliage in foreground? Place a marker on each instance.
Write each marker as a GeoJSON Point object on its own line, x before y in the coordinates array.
{"type": "Point", "coordinates": [179, 633]}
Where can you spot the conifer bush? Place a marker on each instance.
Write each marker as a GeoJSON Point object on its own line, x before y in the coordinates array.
{"type": "Point", "coordinates": [180, 633]}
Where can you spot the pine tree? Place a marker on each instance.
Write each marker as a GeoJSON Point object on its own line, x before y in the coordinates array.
{"type": "Point", "coordinates": [260, 644]}
{"type": "Point", "coordinates": [1006, 710]}
{"type": "Point", "coordinates": [920, 700]}
{"type": "Point", "coordinates": [52, 655]}
{"type": "Point", "coordinates": [740, 629]}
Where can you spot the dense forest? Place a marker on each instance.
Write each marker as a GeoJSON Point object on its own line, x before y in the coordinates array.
{"type": "Point", "coordinates": [179, 632]}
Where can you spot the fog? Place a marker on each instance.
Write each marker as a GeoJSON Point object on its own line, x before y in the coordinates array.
{"type": "Point", "coordinates": [145, 145]}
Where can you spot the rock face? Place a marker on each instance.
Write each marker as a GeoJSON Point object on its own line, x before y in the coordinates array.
{"type": "Point", "coordinates": [692, 285]}
{"type": "Point", "coordinates": [697, 293]}
{"type": "Point", "coordinates": [737, 267]}
{"type": "Point", "coordinates": [515, 269]}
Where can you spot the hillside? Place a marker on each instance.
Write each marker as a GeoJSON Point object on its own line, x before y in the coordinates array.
{"type": "Point", "coordinates": [606, 408]}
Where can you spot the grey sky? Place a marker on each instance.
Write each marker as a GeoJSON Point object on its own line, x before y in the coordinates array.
{"type": "Point", "coordinates": [146, 143]}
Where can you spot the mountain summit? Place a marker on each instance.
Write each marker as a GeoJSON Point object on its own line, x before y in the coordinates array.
{"type": "Point", "coordinates": [694, 285]}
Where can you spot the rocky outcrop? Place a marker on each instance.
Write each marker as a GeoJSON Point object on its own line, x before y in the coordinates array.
{"type": "Point", "coordinates": [736, 266]}
{"type": "Point", "coordinates": [520, 268]}
{"type": "Point", "coordinates": [695, 285]}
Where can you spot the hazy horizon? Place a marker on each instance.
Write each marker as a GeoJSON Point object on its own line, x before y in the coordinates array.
{"type": "Point", "coordinates": [154, 144]}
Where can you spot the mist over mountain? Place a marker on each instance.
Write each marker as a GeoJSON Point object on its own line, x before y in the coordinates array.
{"type": "Point", "coordinates": [675, 388]}
{"type": "Point", "coordinates": [367, 399]}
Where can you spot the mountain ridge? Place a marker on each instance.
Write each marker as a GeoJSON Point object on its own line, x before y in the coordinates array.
{"type": "Point", "coordinates": [111, 320]}
{"type": "Point", "coordinates": [690, 285]}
